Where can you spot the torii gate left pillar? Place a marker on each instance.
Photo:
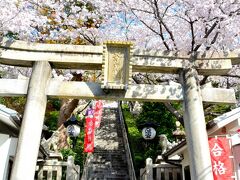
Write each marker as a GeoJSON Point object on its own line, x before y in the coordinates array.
{"type": "Point", "coordinates": [33, 119]}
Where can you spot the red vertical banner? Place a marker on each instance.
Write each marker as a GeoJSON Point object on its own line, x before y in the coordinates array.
{"type": "Point", "coordinates": [98, 113]}
{"type": "Point", "coordinates": [220, 153]}
{"type": "Point", "coordinates": [89, 134]}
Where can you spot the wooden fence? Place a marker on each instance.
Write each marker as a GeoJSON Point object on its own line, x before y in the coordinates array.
{"type": "Point", "coordinates": [57, 170]}
{"type": "Point", "coordinates": [160, 171]}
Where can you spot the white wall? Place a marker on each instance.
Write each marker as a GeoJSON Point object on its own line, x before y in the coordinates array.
{"type": "Point", "coordinates": [236, 154]}
{"type": "Point", "coordinates": [185, 161]}
{"type": "Point", "coordinates": [7, 148]}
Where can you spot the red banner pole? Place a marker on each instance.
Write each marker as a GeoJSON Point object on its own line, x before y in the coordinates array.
{"type": "Point", "coordinates": [89, 134]}
{"type": "Point", "coordinates": [98, 113]}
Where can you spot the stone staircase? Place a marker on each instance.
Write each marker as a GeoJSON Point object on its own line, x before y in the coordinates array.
{"type": "Point", "coordinates": [108, 162]}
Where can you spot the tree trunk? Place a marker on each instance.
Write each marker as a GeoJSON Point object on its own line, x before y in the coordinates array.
{"type": "Point", "coordinates": [68, 105]}
{"type": "Point", "coordinates": [66, 109]}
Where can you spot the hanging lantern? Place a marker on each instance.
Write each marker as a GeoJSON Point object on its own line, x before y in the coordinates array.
{"type": "Point", "coordinates": [148, 133]}
{"type": "Point", "coordinates": [73, 130]}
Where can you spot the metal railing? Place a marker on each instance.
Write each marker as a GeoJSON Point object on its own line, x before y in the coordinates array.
{"type": "Point", "coordinates": [131, 170]}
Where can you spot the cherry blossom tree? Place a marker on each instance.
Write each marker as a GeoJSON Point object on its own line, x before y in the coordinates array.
{"type": "Point", "coordinates": [174, 25]}
{"type": "Point", "coordinates": [166, 25]}
{"type": "Point", "coordinates": [177, 24]}
{"type": "Point", "coordinates": [64, 21]}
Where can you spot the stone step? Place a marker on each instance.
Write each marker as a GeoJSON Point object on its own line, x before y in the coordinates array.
{"type": "Point", "coordinates": [114, 164]}
{"type": "Point", "coordinates": [113, 161]}
{"type": "Point", "coordinates": [104, 159]}
{"type": "Point", "coordinates": [109, 159]}
{"type": "Point", "coordinates": [114, 158]}
{"type": "Point", "coordinates": [110, 174]}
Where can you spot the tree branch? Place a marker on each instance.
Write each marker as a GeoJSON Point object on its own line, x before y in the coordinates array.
{"type": "Point", "coordinates": [208, 33]}
{"type": "Point", "coordinates": [162, 37]}
{"type": "Point", "coordinates": [160, 21]}
{"type": "Point", "coordinates": [203, 81]}
{"type": "Point", "coordinates": [171, 109]}
{"type": "Point", "coordinates": [192, 33]}
{"type": "Point", "coordinates": [87, 38]}
{"type": "Point", "coordinates": [154, 31]}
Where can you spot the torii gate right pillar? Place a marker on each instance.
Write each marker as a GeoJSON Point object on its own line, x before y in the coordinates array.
{"type": "Point", "coordinates": [195, 127]}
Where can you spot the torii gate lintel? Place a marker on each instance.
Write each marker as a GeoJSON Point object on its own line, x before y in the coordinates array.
{"type": "Point", "coordinates": [173, 92]}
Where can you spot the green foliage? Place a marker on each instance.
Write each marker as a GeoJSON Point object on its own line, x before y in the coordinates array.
{"type": "Point", "coordinates": [2, 74]}
{"type": "Point", "coordinates": [76, 152]}
{"type": "Point", "coordinates": [133, 131]}
{"type": "Point", "coordinates": [142, 149]}
{"type": "Point", "coordinates": [52, 113]}
{"type": "Point", "coordinates": [12, 35]}
{"type": "Point", "coordinates": [78, 149]}
{"type": "Point", "coordinates": [16, 103]}
{"type": "Point", "coordinates": [215, 110]}
{"type": "Point", "coordinates": [139, 160]}
{"type": "Point", "coordinates": [157, 113]}
{"type": "Point", "coordinates": [135, 139]}
{"type": "Point", "coordinates": [54, 104]}
{"type": "Point", "coordinates": [125, 106]}
{"type": "Point", "coordinates": [2, 100]}
{"type": "Point", "coordinates": [52, 120]}
{"type": "Point", "coordinates": [67, 152]}
{"type": "Point", "coordinates": [238, 94]}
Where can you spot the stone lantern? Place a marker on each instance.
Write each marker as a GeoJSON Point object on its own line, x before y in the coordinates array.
{"type": "Point", "coordinates": [178, 133]}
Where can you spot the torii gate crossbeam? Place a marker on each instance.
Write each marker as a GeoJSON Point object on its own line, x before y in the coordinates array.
{"type": "Point", "coordinates": [136, 92]}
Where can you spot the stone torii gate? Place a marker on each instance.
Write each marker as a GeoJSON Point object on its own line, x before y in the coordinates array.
{"type": "Point", "coordinates": [117, 60]}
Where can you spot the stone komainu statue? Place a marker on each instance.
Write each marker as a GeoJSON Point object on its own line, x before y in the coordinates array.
{"type": "Point", "coordinates": [164, 143]}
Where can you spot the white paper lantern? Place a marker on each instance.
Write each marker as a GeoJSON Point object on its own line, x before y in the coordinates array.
{"type": "Point", "coordinates": [148, 133]}
{"type": "Point", "coordinates": [73, 130]}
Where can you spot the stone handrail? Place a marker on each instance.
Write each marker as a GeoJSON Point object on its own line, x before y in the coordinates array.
{"type": "Point", "coordinates": [85, 169]}
{"type": "Point", "coordinates": [147, 172]}
{"type": "Point", "coordinates": [163, 171]}
{"type": "Point", "coordinates": [72, 170]}
{"type": "Point", "coordinates": [131, 170]}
